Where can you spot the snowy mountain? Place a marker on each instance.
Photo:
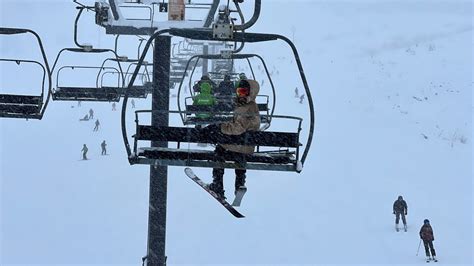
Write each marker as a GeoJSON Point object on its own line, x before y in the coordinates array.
{"type": "Point", "coordinates": [392, 85]}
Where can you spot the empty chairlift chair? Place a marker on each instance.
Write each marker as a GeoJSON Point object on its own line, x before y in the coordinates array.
{"type": "Point", "coordinates": [26, 106]}
{"type": "Point", "coordinates": [95, 93]}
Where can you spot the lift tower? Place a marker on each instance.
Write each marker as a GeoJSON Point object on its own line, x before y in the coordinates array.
{"type": "Point", "coordinates": [109, 15]}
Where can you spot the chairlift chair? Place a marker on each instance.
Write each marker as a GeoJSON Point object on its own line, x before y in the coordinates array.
{"type": "Point", "coordinates": [287, 157]}
{"type": "Point", "coordinates": [222, 111]}
{"type": "Point", "coordinates": [26, 106]}
{"type": "Point", "coordinates": [82, 93]}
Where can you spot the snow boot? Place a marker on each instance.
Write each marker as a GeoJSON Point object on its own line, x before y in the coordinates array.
{"type": "Point", "coordinates": [218, 188]}
{"type": "Point", "coordinates": [240, 180]}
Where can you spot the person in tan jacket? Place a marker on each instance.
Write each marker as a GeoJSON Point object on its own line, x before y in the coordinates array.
{"type": "Point", "coordinates": [246, 118]}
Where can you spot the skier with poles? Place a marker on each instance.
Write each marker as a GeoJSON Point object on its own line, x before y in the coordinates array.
{"type": "Point", "coordinates": [400, 208]}
{"type": "Point", "coordinates": [426, 234]}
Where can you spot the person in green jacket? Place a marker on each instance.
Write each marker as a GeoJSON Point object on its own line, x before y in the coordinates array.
{"type": "Point", "coordinates": [204, 98]}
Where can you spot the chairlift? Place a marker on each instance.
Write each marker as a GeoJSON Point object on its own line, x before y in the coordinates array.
{"type": "Point", "coordinates": [140, 90]}
{"type": "Point", "coordinates": [222, 111]}
{"type": "Point", "coordinates": [26, 106]}
{"type": "Point", "coordinates": [286, 156]}
{"type": "Point", "coordinates": [81, 93]}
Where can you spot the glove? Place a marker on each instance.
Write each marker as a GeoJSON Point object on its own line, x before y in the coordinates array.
{"type": "Point", "coordinates": [406, 213]}
{"type": "Point", "coordinates": [393, 212]}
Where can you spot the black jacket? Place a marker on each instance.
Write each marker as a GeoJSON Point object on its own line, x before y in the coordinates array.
{"type": "Point", "coordinates": [400, 206]}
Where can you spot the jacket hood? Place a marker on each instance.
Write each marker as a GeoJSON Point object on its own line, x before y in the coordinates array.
{"type": "Point", "coordinates": [254, 90]}
{"type": "Point", "coordinates": [205, 88]}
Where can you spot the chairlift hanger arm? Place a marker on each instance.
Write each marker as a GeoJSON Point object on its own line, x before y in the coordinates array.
{"type": "Point", "coordinates": [256, 14]}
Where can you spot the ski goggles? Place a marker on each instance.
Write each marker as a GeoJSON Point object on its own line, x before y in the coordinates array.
{"type": "Point", "coordinates": [242, 92]}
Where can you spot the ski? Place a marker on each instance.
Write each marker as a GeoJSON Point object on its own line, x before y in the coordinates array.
{"type": "Point", "coordinates": [239, 194]}
{"type": "Point", "coordinates": [189, 172]}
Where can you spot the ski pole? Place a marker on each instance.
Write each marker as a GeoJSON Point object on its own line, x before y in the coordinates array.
{"type": "Point", "coordinates": [419, 244]}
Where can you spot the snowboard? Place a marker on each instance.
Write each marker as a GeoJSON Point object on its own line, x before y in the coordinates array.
{"type": "Point", "coordinates": [239, 194]}
{"type": "Point", "coordinates": [189, 172]}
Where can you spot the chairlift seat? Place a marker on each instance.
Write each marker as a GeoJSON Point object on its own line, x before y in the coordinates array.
{"type": "Point", "coordinates": [103, 94]}
{"type": "Point", "coordinates": [20, 106]}
{"type": "Point", "coordinates": [283, 157]}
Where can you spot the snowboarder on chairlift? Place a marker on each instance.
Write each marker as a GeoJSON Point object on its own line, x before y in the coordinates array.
{"type": "Point", "coordinates": [426, 234]}
{"type": "Point", "coordinates": [97, 124]}
{"type": "Point", "coordinates": [84, 152]}
{"type": "Point", "coordinates": [91, 113]}
{"type": "Point", "coordinates": [103, 145]}
{"type": "Point", "coordinates": [204, 98]}
{"type": "Point", "coordinates": [400, 208]}
{"type": "Point", "coordinates": [226, 87]}
{"type": "Point", "coordinates": [246, 118]}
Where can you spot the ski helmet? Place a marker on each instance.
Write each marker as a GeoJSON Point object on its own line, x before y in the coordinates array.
{"type": "Point", "coordinates": [426, 221]}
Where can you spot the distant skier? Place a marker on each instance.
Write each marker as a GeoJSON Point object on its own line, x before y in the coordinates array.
{"type": "Point", "coordinates": [301, 98]}
{"type": "Point", "coordinates": [97, 124]}
{"type": "Point", "coordinates": [91, 114]}
{"type": "Point", "coordinates": [86, 118]}
{"type": "Point", "coordinates": [133, 103]}
{"type": "Point", "coordinates": [84, 152]}
{"type": "Point", "coordinates": [426, 234]}
{"type": "Point", "coordinates": [246, 118]}
{"type": "Point", "coordinates": [296, 93]}
{"type": "Point", "coordinates": [78, 103]}
{"type": "Point", "coordinates": [103, 145]}
{"type": "Point", "coordinates": [400, 207]}
{"type": "Point", "coordinates": [113, 106]}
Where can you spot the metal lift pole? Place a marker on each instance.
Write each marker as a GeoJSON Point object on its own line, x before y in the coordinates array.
{"type": "Point", "coordinates": [159, 174]}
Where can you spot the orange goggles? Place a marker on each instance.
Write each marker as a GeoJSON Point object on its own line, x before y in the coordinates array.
{"type": "Point", "coordinates": [242, 92]}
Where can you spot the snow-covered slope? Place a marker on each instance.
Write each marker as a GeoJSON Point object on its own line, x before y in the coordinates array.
{"type": "Point", "coordinates": [392, 84]}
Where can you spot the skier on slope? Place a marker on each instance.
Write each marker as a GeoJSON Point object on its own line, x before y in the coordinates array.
{"type": "Point", "coordinates": [91, 114]}
{"type": "Point", "coordinates": [400, 208]}
{"type": "Point", "coordinates": [426, 234]}
{"type": "Point", "coordinates": [301, 98]}
{"type": "Point", "coordinates": [97, 124]}
{"type": "Point", "coordinates": [246, 118]}
{"type": "Point", "coordinates": [84, 152]}
{"type": "Point", "coordinates": [103, 145]}
{"type": "Point", "coordinates": [85, 118]}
